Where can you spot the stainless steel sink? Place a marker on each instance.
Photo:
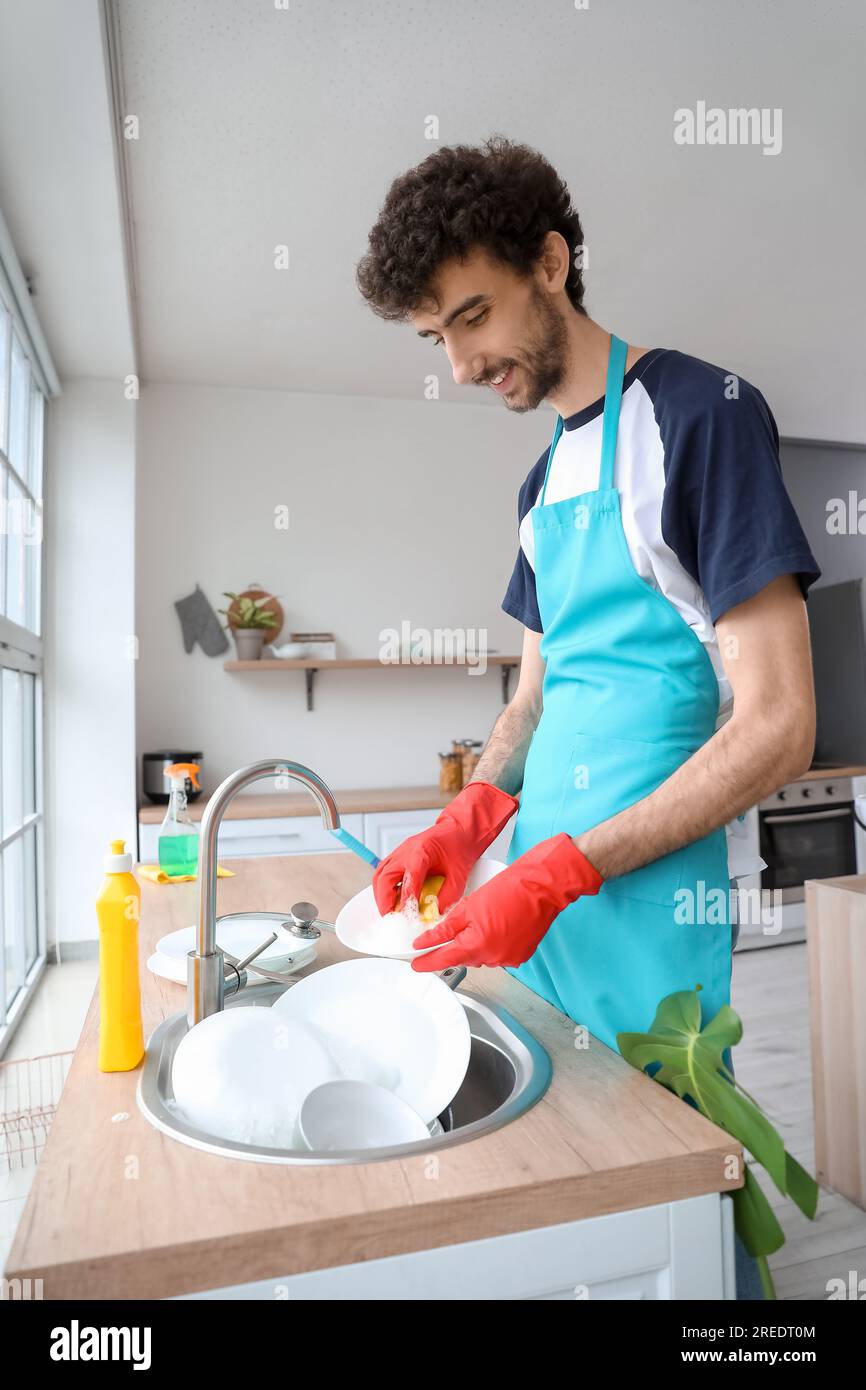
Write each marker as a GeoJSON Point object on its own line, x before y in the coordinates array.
{"type": "Point", "coordinates": [508, 1073]}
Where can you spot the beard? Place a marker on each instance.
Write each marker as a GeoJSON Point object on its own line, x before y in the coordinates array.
{"type": "Point", "coordinates": [546, 356]}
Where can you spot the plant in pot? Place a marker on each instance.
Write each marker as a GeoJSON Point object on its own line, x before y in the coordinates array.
{"type": "Point", "coordinates": [250, 622]}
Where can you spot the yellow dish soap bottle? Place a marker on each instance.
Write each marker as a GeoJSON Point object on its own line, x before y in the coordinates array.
{"type": "Point", "coordinates": [118, 908]}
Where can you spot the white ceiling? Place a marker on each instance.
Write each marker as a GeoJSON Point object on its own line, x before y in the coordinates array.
{"type": "Point", "coordinates": [262, 126]}
{"type": "Point", "coordinates": [58, 182]}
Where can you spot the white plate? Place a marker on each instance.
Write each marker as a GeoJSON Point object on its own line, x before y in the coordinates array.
{"type": "Point", "coordinates": [359, 921]}
{"type": "Point", "coordinates": [388, 1024]}
{"type": "Point", "coordinates": [238, 933]}
{"type": "Point", "coordinates": [243, 1074]}
{"type": "Point", "coordinates": [174, 968]}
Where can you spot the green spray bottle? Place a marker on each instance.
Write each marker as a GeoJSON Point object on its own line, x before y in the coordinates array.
{"type": "Point", "coordinates": [178, 834]}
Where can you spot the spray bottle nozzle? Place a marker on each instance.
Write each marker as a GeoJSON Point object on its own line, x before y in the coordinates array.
{"type": "Point", "coordinates": [184, 770]}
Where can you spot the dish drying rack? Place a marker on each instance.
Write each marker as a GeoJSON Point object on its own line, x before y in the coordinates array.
{"type": "Point", "coordinates": [30, 1090]}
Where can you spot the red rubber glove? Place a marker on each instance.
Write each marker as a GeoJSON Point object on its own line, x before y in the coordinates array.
{"type": "Point", "coordinates": [502, 922]}
{"type": "Point", "coordinates": [451, 846]}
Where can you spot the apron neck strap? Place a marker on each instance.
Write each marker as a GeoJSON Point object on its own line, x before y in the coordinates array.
{"type": "Point", "coordinates": [612, 396]}
{"type": "Point", "coordinates": [556, 433]}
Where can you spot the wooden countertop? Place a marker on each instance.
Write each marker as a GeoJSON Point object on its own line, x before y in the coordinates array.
{"type": "Point", "coordinates": [848, 883]}
{"type": "Point", "coordinates": [826, 774]}
{"type": "Point", "coordinates": [262, 805]}
{"type": "Point", "coordinates": [119, 1210]}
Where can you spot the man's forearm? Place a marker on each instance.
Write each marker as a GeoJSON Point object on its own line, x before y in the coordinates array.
{"type": "Point", "coordinates": [504, 756]}
{"type": "Point", "coordinates": [741, 764]}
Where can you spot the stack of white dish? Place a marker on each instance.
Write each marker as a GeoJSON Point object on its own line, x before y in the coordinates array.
{"type": "Point", "coordinates": [361, 1054]}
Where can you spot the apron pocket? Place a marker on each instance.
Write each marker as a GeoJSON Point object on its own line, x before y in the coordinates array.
{"type": "Point", "coordinates": [604, 777]}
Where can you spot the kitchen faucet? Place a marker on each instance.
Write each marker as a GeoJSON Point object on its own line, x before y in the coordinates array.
{"type": "Point", "coordinates": [207, 985]}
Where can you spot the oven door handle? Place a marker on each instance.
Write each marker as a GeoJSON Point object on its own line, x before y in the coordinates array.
{"type": "Point", "coordinates": [807, 815]}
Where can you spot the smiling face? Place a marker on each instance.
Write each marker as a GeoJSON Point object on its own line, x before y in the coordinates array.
{"type": "Point", "coordinates": [491, 321]}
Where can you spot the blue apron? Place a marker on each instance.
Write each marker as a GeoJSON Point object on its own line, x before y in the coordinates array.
{"type": "Point", "coordinates": [629, 694]}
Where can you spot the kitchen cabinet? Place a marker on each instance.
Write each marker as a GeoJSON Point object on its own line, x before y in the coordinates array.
{"type": "Point", "coordinates": [836, 946]}
{"type": "Point", "coordinates": [746, 837]}
{"type": "Point", "coordinates": [385, 830]}
{"type": "Point", "coordinates": [609, 1187]}
{"type": "Point", "coordinates": [678, 1250]}
{"type": "Point", "coordinates": [262, 836]}
{"type": "Point", "coordinates": [382, 831]}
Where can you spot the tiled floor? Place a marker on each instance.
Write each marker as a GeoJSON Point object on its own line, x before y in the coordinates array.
{"type": "Point", "coordinates": [772, 1063]}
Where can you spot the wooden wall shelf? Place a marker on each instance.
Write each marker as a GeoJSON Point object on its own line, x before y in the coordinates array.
{"type": "Point", "coordinates": [310, 665]}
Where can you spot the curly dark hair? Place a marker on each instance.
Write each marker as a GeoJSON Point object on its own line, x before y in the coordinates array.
{"type": "Point", "coordinates": [501, 196]}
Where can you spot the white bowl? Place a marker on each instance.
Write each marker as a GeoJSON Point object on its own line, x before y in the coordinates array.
{"type": "Point", "coordinates": [357, 1115]}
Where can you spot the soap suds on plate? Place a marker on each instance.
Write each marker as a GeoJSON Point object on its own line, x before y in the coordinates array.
{"type": "Point", "coordinates": [396, 931]}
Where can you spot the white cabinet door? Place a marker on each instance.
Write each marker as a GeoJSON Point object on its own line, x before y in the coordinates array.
{"type": "Point", "coordinates": [381, 831]}
{"type": "Point", "coordinates": [385, 830]}
{"type": "Point", "coordinates": [678, 1250]}
{"type": "Point", "coordinates": [270, 835]}
{"type": "Point", "coordinates": [744, 862]}
{"type": "Point", "coordinates": [282, 835]}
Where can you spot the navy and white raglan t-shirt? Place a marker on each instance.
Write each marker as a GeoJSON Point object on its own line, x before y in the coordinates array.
{"type": "Point", "coordinates": [705, 511]}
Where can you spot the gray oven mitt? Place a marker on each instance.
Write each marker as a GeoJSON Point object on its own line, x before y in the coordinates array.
{"type": "Point", "coordinates": [199, 623]}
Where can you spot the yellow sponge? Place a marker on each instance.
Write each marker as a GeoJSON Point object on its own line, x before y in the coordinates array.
{"type": "Point", "coordinates": [428, 905]}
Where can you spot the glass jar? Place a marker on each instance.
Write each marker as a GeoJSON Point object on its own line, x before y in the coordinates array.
{"type": "Point", "coordinates": [450, 772]}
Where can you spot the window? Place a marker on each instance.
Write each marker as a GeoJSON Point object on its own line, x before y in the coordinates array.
{"type": "Point", "coordinates": [22, 410]}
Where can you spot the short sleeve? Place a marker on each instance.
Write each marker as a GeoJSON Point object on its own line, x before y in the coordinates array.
{"type": "Point", "coordinates": [520, 598]}
{"type": "Point", "coordinates": [726, 512]}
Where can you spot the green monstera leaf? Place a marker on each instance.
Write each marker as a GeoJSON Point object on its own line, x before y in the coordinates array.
{"type": "Point", "coordinates": [689, 1062]}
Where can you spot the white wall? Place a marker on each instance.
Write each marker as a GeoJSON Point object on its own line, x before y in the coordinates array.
{"type": "Point", "coordinates": [399, 510]}
{"type": "Point", "coordinates": [89, 534]}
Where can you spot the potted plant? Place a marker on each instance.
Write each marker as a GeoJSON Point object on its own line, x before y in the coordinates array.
{"type": "Point", "coordinates": [690, 1063]}
{"type": "Point", "coordinates": [250, 621]}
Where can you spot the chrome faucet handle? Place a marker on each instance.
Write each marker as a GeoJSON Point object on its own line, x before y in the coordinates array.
{"type": "Point", "coordinates": [277, 976]}
{"type": "Point", "coordinates": [257, 952]}
{"type": "Point", "coordinates": [303, 921]}
{"type": "Point", "coordinates": [235, 974]}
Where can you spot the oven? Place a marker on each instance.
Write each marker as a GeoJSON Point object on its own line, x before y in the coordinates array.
{"type": "Point", "coordinates": [809, 830]}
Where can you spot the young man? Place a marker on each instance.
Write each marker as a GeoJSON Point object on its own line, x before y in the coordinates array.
{"type": "Point", "coordinates": [666, 684]}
